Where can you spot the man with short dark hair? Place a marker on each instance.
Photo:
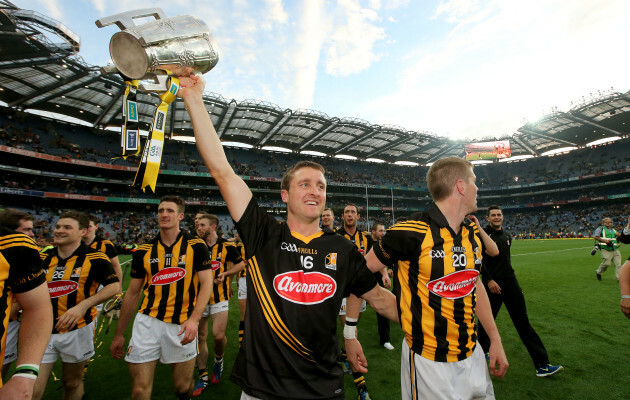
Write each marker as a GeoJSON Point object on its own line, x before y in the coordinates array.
{"type": "Point", "coordinates": [223, 255]}
{"type": "Point", "coordinates": [502, 286]}
{"type": "Point", "coordinates": [328, 219]}
{"type": "Point", "coordinates": [19, 221]}
{"type": "Point", "coordinates": [174, 273]}
{"type": "Point", "coordinates": [437, 256]}
{"type": "Point", "coordinates": [297, 275]}
{"type": "Point", "coordinates": [363, 243]}
{"type": "Point", "coordinates": [74, 272]}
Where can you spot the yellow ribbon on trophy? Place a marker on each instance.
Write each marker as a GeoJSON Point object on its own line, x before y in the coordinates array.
{"type": "Point", "coordinates": [130, 132]}
{"type": "Point", "coordinates": [152, 154]}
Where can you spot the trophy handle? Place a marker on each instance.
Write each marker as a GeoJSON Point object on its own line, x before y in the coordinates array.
{"type": "Point", "coordinates": [125, 20]}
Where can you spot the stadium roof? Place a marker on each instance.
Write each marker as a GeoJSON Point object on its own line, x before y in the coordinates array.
{"type": "Point", "coordinates": [37, 73]}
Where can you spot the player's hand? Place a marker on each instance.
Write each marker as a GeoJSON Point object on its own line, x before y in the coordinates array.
{"type": "Point", "coordinates": [390, 272]}
{"type": "Point", "coordinates": [498, 361]}
{"type": "Point", "coordinates": [475, 220]}
{"type": "Point", "coordinates": [190, 86]}
{"type": "Point", "coordinates": [70, 318]}
{"type": "Point", "coordinates": [117, 346]}
{"type": "Point", "coordinates": [189, 330]}
{"type": "Point", "coordinates": [625, 307]}
{"type": "Point", "coordinates": [356, 358]}
{"type": "Point", "coordinates": [17, 388]}
{"type": "Point", "coordinates": [220, 278]}
{"type": "Point", "coordinates": [494, 287]}
{"type": "Point", "coordinates": [387, 283]}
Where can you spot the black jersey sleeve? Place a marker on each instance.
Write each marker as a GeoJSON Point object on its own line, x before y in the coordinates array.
{"type": "Point", "coordinates": [361, 278]}
{"type": "Point", "coordinates": [233, 254]}
{"type": "Point", "coordinates": [202, 260]}
{"type": "Point", "coordinates": [254, 228]}
{"type": "Point", "coordinates": [403, 241]}
{"type": "Point", "coordinates": [103, 271]}
{"type": "Point", "coordinates": [137, 264]}
{"type": "Point", "coordinates": [370, 243]}
{"type": "Point", "coordinates": [25, 271]}
{"type": "Point", "coordinates": [110, 249]}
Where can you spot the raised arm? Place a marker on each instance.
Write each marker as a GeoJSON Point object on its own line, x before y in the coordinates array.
{"type": "Point", "coordinates": [490, 247]}
{"type": "Point", "coordinates": [233, 189]}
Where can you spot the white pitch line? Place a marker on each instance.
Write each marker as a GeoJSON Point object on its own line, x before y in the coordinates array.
{"type": "Point", "coordinates": [551, 251]}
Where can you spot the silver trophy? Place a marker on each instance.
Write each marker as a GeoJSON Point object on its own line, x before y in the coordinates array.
{"type": "Point", "coordinates": [180, 45]}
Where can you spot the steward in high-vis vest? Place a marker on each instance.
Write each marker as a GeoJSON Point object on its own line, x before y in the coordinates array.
{"type": "Point", "coordinates": [609, 246]}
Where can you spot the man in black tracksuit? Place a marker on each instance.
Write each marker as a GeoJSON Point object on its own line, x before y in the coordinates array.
{"type": "Point", "coordinates": [503, 288]}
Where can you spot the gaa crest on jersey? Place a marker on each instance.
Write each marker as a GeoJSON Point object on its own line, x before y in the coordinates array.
{"type": "Point", "coordinates": [305, 288]}
{"type": "Point", "coordinates": [455, 285]}
{"type": "Point", "coordinates": [182, 260]}
{"type": "Point", "coordinates": [168, 275]}
{"type": "Point", "coordinates": [61, 288]}
{"type": "Point", "coordinates": [331, 261]}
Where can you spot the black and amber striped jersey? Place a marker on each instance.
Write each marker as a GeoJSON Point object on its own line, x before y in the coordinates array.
{"type": "Point", "coordinates": [20, 271]}
{"type": "Point", "coordinates": [435, 277]}
{"type": "Point", "coordinates": [74, 279]}
{"type": "Point", "coordinates": [105, 246]}
{"type": "Point", "coordinates": [295, 288]}
{"type": "Point", "coordinates": [241, 249]}
{"type": "Point", "coordinates": [223, 254]}
{"type": "Point", "coordinates": [360, 239]}
{"type": "Point", "coordinates": [171, 282]}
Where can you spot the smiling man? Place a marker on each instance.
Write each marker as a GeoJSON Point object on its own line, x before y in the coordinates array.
{"type": "Point", "coordinates": [74, 272]}
{"type": "Point", "coordinates": [174, 273]}
{"type": "Point", "coordinates": [297, 276]}
{"type": "Point", "coordinates": [437, 256]}
{"type": "Point", "coordinates": [502, 286]}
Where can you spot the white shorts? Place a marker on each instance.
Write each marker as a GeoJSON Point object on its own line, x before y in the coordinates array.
{"type": "Point", "coordinates": [73, 347]}
{"type": "Point", "coordinates": [242, 288]}
{"type": "Point", "coordinates": [342, 310]}
{"type": "Point", "coordinates": [212, 309]}
{"type": "Point", "coordinates": [10, 349]}
{"type": "Point", "coordinates": [421, 378]}
{"type": "Point", "coordinates": [152, 339]}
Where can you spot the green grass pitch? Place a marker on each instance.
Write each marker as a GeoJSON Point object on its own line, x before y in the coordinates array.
{"type": "Point", "coordinates": [577, 317]}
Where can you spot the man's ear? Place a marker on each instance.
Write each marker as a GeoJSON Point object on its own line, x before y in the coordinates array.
{"type": "Point", "coordinates": [285, 195]}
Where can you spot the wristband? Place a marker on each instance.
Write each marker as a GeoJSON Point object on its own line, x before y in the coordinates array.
{"type": "Point", "coordinates": [625, 296]}
{"type": "Point", "coordinates": [349, 332]}
{"type": "Point", "coordinates": [29, 371]}
{"type": "Point", "coordinates": [352, 321]}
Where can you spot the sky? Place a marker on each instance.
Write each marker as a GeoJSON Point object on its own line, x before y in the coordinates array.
{"type": "Point", "coordinates": [465, 69]}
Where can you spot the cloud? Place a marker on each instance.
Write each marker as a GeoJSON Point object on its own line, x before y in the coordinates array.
{"type": "Point", "coordinates": [306, 47]}
{"type": "Point", "coordinates": [351, 45]}
{"type": "Point", "coordinates": [502, 61]}
{"type": "Point", "coordinates": [456, 9]}
{"type": "Point", "coordinates": [275, 14]}
{"type": "Point", "coordinates": [53, 8]}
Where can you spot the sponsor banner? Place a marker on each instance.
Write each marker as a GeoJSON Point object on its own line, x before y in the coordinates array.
{"type": "Point", "coordinates": [49, 157]}
{"type": "Point", "coordinates": [61, 288]}
{"type": "Point", "coordinates": [74, 196]}
{"type": "Point", "coordinates": [21, 192]}
{"type": "Point", "coordinates": [305, 288]}
{"type": "Point", "coordinates": [166, 276]}
{"type": "Point", "coordinates": [131, 200]}
{"type": "Point", "coordinates": [455, 285]}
